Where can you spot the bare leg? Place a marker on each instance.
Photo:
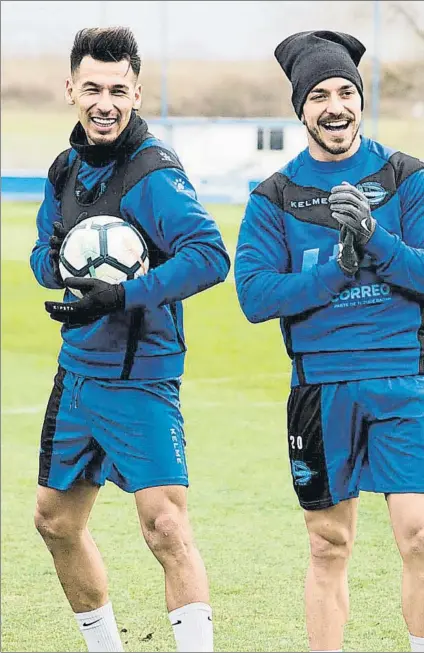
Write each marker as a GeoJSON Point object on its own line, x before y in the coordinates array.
{"type": "Point", "coordinates": [331, 535]}
{"type": "Point", "coordinates": [165, 525]}
{"type": "Point", "coordinates": [61, 519]}
{"type": "Point", "coordinates": [407, 516]}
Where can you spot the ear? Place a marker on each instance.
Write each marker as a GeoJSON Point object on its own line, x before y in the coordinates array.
{"type": "Point", "coordinates": [138, 96]}
{"type": "Point", "coordinates": [69, 91]}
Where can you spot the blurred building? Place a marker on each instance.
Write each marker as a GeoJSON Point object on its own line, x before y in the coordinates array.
{"type": "Point", "coordinates": [206, 58]}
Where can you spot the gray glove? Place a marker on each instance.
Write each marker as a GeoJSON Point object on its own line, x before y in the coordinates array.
{"type": "Point", "coordinates": [351, 208]}
{"type": "Point", "coordinates": [348, 258]}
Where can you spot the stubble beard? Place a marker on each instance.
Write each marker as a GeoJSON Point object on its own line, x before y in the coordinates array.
{"type": "Point", "coordinates": [331, 149]}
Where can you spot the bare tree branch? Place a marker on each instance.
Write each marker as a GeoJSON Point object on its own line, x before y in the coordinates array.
{"type": "Point", "coordinates": [403, 10]}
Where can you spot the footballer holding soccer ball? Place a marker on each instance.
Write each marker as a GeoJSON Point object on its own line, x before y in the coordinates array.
{"type": "Point", "coordinates": [114, 411]}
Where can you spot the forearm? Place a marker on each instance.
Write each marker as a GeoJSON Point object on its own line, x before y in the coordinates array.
{"type": "Point", "coordinates": [396, 262]}
{"type": "Point", "coordinates": [40, 260]}
{"type": "Point", "coordinates": [186, 274]}
{"type": "Point", "coordinates": [264, 295]}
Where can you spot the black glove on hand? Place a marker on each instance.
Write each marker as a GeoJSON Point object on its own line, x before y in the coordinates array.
{"type": "Point", "coordinates": [351, 208]}
{"type": "Point", "coordinates": [348, 258]}
{"type": "Point", "coordinates": [55, 242]}
{"type": "Point", "coordinates": [100, 298]}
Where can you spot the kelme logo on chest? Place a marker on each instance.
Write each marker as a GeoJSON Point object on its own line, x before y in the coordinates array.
{"type": "Point", "coordinates": [304, 204]}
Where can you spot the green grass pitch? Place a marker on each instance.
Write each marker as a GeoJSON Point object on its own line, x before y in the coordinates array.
{"type": "Point", "coordinates": [245, 515]}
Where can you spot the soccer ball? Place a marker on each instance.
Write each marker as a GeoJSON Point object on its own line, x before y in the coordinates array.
{"type": "Point", "coordinates": [103, 247]}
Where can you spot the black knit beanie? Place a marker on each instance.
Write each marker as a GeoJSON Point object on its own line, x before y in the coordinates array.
{"type": "Point", "coordinates": [308, 58]}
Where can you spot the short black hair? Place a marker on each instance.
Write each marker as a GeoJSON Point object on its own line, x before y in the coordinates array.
{"type": "Point", "coordinates": [106, 44]}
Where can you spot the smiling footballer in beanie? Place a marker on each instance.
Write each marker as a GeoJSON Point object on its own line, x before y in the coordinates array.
{"type": "Point", "coordinates": [309, 58]}
{"type": "Point", "coordinates": [332, 245]}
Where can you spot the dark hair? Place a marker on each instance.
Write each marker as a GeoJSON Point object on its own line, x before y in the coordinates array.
{"type": "Point", "coordinates": [105, 44]}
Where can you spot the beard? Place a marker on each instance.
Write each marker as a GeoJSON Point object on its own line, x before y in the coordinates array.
{"type": "Point", "coordinates": [332, 147]}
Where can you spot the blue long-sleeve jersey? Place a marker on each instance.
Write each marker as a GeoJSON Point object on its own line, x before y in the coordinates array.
{"type": "Point", "coordinates": [165, 205]}
{"type": "Point", "coordinates": [336, 328]}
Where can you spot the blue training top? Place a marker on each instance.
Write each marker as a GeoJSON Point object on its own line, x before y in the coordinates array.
{"type": "Point", "coordinates": [336, 328]}
{"type": "Point", "coordinates": [165, 204]}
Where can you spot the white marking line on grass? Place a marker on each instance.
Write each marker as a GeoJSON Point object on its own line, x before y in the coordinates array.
{"type": "Point", "coordinates": [248, 404]}
{"type": "Point", "coordinates": [231, 379]}
{"type": "Point", "coordinates": [32, 410]}
{"type": "Point", "coordinates": [23, 410]}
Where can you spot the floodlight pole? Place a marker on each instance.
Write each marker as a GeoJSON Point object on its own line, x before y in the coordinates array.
{"type": "Point", "coordinates": [164, 58]}
{"type": "Point", "coordinates": [104, 10]}
{"type": "Point", "coordinates": [375, 95]}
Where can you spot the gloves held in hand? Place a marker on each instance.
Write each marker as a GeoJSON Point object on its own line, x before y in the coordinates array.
{"type": "Point", "coordinates": [351, 208]}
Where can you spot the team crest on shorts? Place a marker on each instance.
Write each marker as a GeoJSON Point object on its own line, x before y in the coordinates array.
{"type": "Point", "coordinates": [302, 474]}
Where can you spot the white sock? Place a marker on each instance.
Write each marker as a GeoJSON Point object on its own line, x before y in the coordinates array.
{"type": "Point", "coordinates": [99, 629]}
{"type": "Point", "coordinates": [193, 629]}
{"type": "Point", "coordinates": [417, 643]}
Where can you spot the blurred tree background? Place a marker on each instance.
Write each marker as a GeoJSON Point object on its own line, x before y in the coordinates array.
{"type": "Point", "coordinates": [214, 58]}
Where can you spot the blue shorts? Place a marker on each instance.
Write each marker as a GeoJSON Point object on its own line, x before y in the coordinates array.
{"type": "Point", "coordinates": [356, 435]}
{"type": "Point", "coordinates": [127, 432]}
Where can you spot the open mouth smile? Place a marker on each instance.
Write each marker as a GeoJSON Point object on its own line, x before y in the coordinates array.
{"type": "Point", "coordinates": [335, 125]}
{"type": "Point", "coordinates": [103, 123]}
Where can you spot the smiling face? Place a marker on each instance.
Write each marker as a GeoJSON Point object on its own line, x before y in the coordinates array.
{"type": "Point", "coordinates": [332, 116]}
{"type": "Point", "coordinates": [104, 92]}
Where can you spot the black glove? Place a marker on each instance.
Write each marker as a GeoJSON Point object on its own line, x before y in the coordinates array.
{"type": "Point", "coordinates": [55, 242]}
{"type": "Point", "coordinates": [100, 298]}
{"type": "Point", "coordinates": [348, 258]}
{"type": "Point", "coordinates": [351, 208]}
